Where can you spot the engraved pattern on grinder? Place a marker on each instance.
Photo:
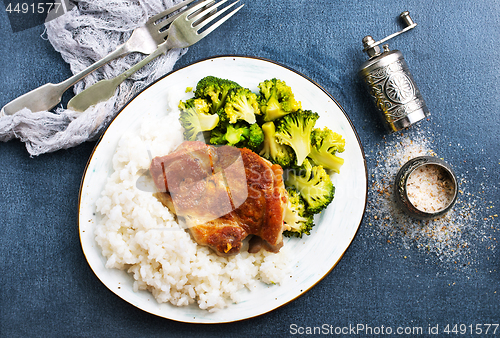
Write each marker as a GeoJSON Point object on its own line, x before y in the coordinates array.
{"type": "Point", "coordinates": [399, 88]}
{"type": "Point", "coordinates": [393, 90]}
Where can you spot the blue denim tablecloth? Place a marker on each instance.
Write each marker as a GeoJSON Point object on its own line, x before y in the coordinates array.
{"type": "Point", "coordinates": [48, 290]}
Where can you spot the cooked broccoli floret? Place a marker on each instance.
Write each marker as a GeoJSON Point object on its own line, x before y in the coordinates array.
{"type": "Point", "coordinates": [231, 135]}
{"type": "Point", "coordinates": [240, 134]}
{"type": "Point", "coordinates": [241, 104]}
{"type": "Point", "coordinates": [295, 130]}
{"type": "Point", "coordinates": [255, 137]}
{"type": "Point", "coordinates": [297, 218]}
{"type": "Point", "coordinates": [195, 117]}
{"type": "Point", "coordinates": [276, 99]}
{"type": "Point", "coordinates": [215, 91]}
{"type": "Point", "coordinates": [276, 153]}
{"type": "Point", "coordinates": [313, 184]}
{"type": "Point", "coordinates": [325, 144]}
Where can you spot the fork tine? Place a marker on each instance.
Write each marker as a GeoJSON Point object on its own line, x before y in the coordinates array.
{"type": "Point", "coordinates": [196, 16]}
{"type": "Point", "coordinates": [211, 10]}
{"type": "Point", "coordinates": [220, 21]}
{"type": "Point", "coordinates": [163, 31]}
{"type": "Point", "coordinates": [159, 16]}
{"type": "Point", "coordinates": [195, 8]}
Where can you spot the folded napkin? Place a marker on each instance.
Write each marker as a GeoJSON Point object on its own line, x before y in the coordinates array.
{"type": "Point", "coordinates": [87, 33]}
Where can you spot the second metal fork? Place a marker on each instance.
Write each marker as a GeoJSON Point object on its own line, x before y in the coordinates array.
{"type": "Point", "coordinates": [183, 32]}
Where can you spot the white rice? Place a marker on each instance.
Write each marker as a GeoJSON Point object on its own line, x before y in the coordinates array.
{"type": "Point", "coordinates": [138, 234]}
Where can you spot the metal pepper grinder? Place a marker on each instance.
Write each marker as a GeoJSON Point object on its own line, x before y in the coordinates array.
{"type": "Point", "coordinates": [390, 83]}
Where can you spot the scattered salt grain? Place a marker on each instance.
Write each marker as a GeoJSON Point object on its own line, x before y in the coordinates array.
{"type": "Point", "coordinates": [449, 237]}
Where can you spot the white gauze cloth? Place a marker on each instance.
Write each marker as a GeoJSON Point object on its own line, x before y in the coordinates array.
{"type": "Point", "coordinates": [87, 33]}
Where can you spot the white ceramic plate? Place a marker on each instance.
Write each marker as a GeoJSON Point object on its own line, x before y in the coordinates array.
{"type": "Point", "coordinates": [312, 257]}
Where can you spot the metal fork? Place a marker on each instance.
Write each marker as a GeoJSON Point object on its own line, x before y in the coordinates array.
{"type": "Point", "coordinates": [144, 39]}
{"type": "Point", "coordinates": [183, 32]}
